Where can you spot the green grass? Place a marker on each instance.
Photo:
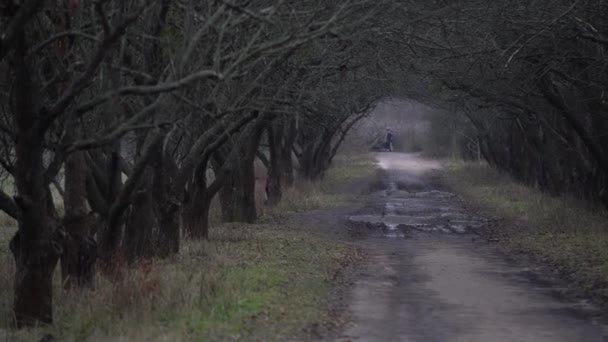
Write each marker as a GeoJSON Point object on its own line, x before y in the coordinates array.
{"type": "Point", "coordinates": [259, 282]}
{"type": "Point", "coordinates": [346, 168]}
{"type": "Point", "coordinates": [263, 282]}
{"type": "Point", "coordinates": [339, 187]}
{"type": "Point", "coordinates": [566, 233]}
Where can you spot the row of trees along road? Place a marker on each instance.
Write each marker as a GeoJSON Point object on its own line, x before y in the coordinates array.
{"type": "Point", "coordinates": [122, 107]}
{"type": "Point", "coordinates": [526, 82]}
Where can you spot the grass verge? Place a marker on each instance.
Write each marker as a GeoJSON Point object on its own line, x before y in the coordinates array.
{"type": "Point", "coordinates": [339, 187]}
{"type": "Point", "coordinates": [565, 233]}
{"type": "Point", "coordinates": [265, 282]}
{"type": "Point", "coordinates": [252, 282]}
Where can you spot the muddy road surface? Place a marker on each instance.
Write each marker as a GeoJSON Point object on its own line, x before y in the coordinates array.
{"type": "Point", "coordinates": [429, 278]}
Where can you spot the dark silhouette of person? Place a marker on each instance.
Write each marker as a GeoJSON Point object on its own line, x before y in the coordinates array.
{"type": "Point", "coordinates": [388, 140]}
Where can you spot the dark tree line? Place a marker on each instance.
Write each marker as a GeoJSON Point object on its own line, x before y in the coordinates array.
{"type": "Point", "coordinates": [114, 114]}
{"type": "Point", "coordinates": [530, 80]}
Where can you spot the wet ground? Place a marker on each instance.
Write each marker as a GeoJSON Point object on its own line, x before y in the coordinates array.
{"type": "Point", "coordinates": [429, 278]}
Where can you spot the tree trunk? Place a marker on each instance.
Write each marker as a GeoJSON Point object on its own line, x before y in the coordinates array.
{"type": "Point", "coordinates": [286, 162]}
{"type": "Point", "coordinates": [314, 161]}
{"type": "Point", "coordinates": [237, 196]}
{"type": "Point", "coordinates": [153, 224]}
{"type": "Point", "coordinates": [167, 207]}
{"type": "Point", "coordinates": [135, 187]}
{"type": "Point", "coordinates": [80, 249]}
{"type": "Point", "coordinates": [195, 215]}
{"type": "Point", "coordinates": [273, 182]}
{"type": "Point", "coordinates": [140, 223]}
{"type": "Point", "coordinates": [37, 244]}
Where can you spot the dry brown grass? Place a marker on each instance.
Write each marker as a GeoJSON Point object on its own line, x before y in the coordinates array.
{"type": "Point", "coordinates": [566, 233]}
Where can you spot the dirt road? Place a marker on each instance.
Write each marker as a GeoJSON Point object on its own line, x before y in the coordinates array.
{"type": "Point", "coordinates": [430, 279]}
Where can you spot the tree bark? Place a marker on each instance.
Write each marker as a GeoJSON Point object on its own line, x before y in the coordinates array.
{"type": "Point", "coordinates": [195, 214]}
{"type": "Point", "coordinates": [166, 207]}
{"type": "Point", "coordinates": [140, 223]}
{"type": "Point", "coordinates": [273, 182]}
{"type": "Point", "coordinates": [80, 249]}
{"type": "Point", "coordinates": [237, 196]}
{"type": "Point", "coordinates": [315, 158]}
{"type": "Point", "coordinates": [112, 237]}
{"type": "Point", "coordinates": [286, 162]}
{"type": "Point", "coordinates": [152, 228]}
{"type": "Point", "coordinates": [36, 246]}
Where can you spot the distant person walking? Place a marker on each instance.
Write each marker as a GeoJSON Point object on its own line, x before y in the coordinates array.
{"type": "Point", "coordinates": [388, 140]}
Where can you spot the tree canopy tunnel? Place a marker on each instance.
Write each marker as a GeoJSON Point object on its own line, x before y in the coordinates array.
{"type": "Point", "coordinates": [120, 121]}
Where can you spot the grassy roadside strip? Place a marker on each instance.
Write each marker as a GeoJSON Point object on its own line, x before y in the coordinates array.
{"type": "Point", "coordinates": [341, 186]}
{"type": "Point", "coordinates": [564, 233]}
{"type": "Point", "coordinates": [268, 281]}
{"type": "Point", "coordinates": [249, 282]}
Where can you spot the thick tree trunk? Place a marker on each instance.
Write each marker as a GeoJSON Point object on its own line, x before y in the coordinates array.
{"type": "Point", "coordinates": [237, 196]}
{"type": "Point", "coordinates": [35, 264]}
{"type": "Point", "coordinates": [36, 247]}
{"type": "Point", "coordinates": [140, 223]}
{"type": "Point", "coordinates": [314, 161]}
{"type": "Point", "coordinates": [80, 249]}
{"type": "Point", "coordinates": [152, 228]}
{"type": "Point", "coordinates": [195, 212]}
{"type": "Point", "coordinates": [195, 215]}
{"type": "Point", "coordinates": [37, 244]}
{"type": "Point", "coordinates": [153, 223]}
{"type": "Point", "coordinates": [138, 182]}
{"type": "Point", "coordinates": [167, 208]}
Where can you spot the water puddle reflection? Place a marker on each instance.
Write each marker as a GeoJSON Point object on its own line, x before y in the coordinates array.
{"type": "Point", "coordinates": [396, 214]}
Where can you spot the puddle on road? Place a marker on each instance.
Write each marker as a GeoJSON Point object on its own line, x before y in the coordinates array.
{"type": "Point", "coordinates": [395, 213]}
